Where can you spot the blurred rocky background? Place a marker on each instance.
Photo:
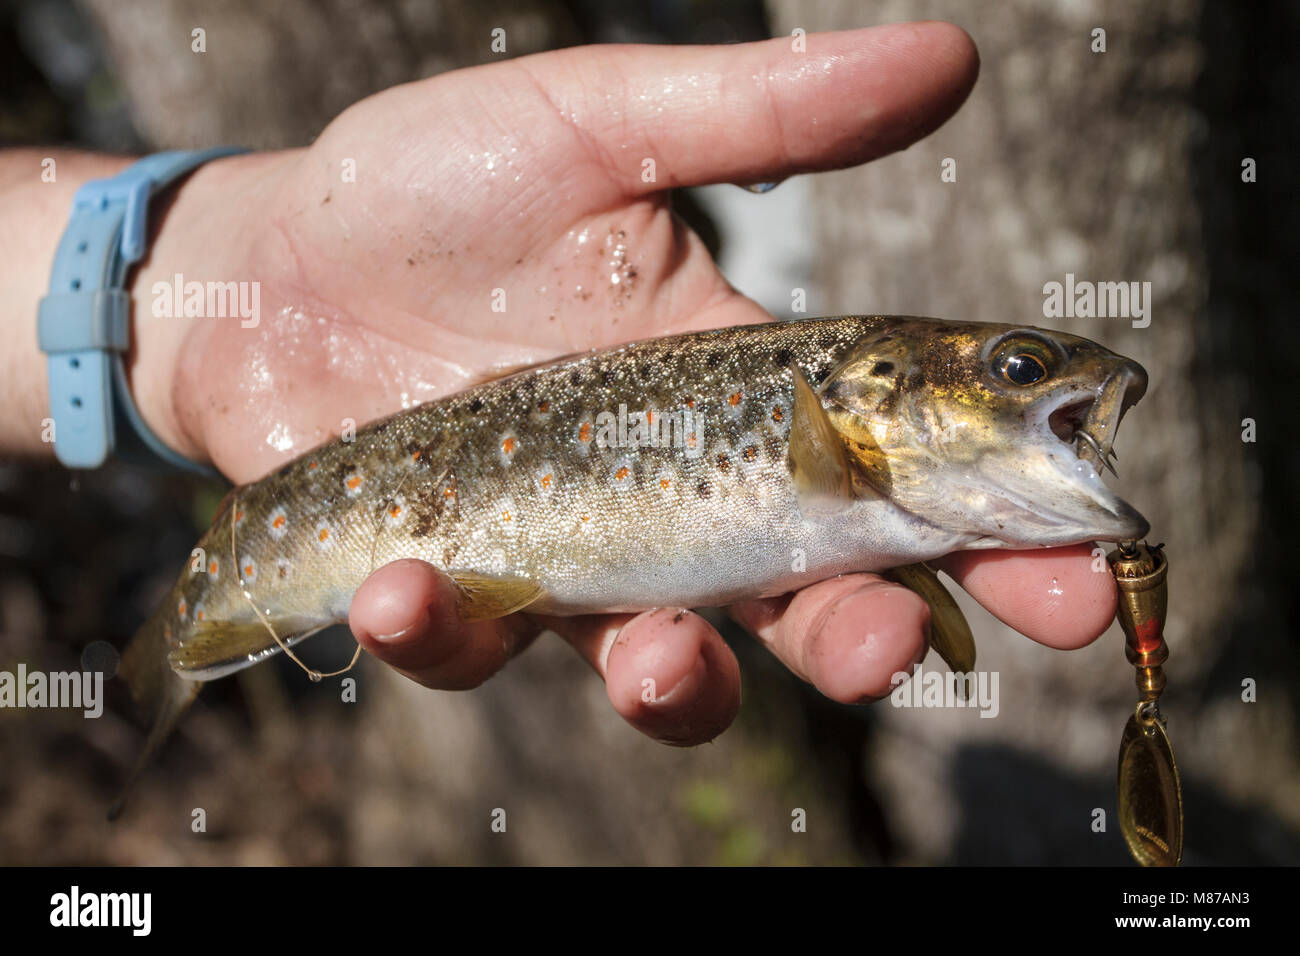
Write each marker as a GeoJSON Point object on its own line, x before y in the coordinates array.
{"type": "Point", "coordinates": [1122, 165]}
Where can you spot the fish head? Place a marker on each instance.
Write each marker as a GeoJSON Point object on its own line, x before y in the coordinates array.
{"type": "Point", "coordinates": [995, 431]}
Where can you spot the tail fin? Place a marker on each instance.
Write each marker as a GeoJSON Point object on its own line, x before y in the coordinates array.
{"type": "Point", "coordinates": [158, 692]}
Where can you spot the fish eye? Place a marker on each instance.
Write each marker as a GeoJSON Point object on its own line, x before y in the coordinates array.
{"type": "Point", "coordinates": [1023, 362]}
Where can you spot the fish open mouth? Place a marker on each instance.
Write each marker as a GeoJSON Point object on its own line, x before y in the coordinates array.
{"type": "Point", "coordinates": [1089, 424]}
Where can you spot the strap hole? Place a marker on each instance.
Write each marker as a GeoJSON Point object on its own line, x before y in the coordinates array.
{"type": "Point", "coordinates": [76, 401]}
{"type": "Point", "coordinates": [76, 284]}
{"type": "Point", "coordinates": [74, 363]}
{"type": "Point", "coordinates": [81, 246]}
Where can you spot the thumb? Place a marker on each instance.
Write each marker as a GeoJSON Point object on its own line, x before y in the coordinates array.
{"type": "Point", "coordinates": [755, 111]}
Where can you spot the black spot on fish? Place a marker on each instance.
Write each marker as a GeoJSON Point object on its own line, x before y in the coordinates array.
{"type": "Point", "coordinates": [723, 462]}
{"type": "Point", "coordinates": [606, 376]}
{"type": "Point", "coordinates": [883, 368]}
{"type": "Point", "coordinates": [646, 370]}
{"type": "Point", "coordinates": [714, 358]}
{"type": "Point", "coordinates": [381, 428]}
{"type": "Point", "coordinates": [832, 390]}
{"type": "Point", "coordinates": [819, 375]}
{"type": "Point", "coordinates": [783, 357]}
{"type": "Point", "coordinates": [703, 489]}
{"type": "Point", "coordinates": [476, 405]}
{"type": "Point", "coordinates": [575, 378]}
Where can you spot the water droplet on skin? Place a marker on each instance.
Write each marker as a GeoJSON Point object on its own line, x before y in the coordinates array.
{"type": "Point", "coordinates": [1055, 589]}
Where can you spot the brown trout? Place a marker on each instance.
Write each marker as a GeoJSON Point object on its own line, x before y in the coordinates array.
{"type": "Point", "coordinates": [693, 470]}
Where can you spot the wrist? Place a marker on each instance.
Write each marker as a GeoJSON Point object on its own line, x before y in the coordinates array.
{"type": "Point", "coordinates": [36, 191]}
{"type": "Point", "coordinates": [199, 237]}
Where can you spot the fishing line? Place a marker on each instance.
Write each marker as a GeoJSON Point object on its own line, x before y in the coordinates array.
{"type": "Point", "coordinates": [314, 675]}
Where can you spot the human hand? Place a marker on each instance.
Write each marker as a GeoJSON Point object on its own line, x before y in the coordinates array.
{"type": "Point", "coordinates": [526, 176]}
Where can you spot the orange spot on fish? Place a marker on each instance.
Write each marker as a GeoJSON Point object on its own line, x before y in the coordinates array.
{"type": "Point", "coordinates": [182, 608]}
{"type": "Point", "coordinates": [734, 400]}
{"type": "Point", "coordinates": [248, 570]}
{"type": "Point", "coordinates": [324, 534]}
{"type": "Point", "coordinates": [354, 482]}
{"type": "Point", "coordinates": [239, 516]}
{"type": "Point", "coordinates": [415, 456]}
{"type": "Point", "coordinates": [505, 516]}
{"type": "Point", "coordinates": [778, 415]}
{"type": "Point", "coordinates": [198, 615]}
{"type": "Point", "coordinates": [649, 417]}
{"type": "Point", "coordinates": [751, 452]}
{"type": "Point", "coordinates": [311, 465]}
{"type": "Point", "coordinates": [543, 407]}
{"type": "Point", "coordinates": [508, 445]}
{"type": "Point", "coordinates": [690, 403]}
{"type": "Point", "coordinates": [278, 522]}
{"type": "Point", "coordinates": [622, 473]}
{"type": "Point", "coordinates": [664, 483]}
{"type": "Point", "coordinates": [212, 567]}
{"type": "Point", "coordinates": [585, 516]}
{"type": "Point", "coordinates": [394, 511]}
{"type": "Point", "coordinates": [584, 431]}
{"type": "Point", "coordinates": [546, 481]}
{"type": "Point", "coordinates": [449, 492]}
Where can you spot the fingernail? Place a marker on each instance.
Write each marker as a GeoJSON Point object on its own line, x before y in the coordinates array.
{"type": "Point", "coordinates": [396, 637]}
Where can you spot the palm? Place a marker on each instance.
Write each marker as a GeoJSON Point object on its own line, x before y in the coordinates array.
{"type": "Point", "coordinates": [494, 250]}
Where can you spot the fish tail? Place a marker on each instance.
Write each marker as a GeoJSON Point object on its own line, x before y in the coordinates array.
{"type": "Point", "coordinates": [161, 696]}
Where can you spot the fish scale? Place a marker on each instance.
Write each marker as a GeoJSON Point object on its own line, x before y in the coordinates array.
{"type": "Point", "coordinates": [464, 501]}
{"type": "Point", "coordinates": [812, 448]}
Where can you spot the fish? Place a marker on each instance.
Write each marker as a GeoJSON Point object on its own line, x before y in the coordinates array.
{"type": "Point", "coordinates": [697, 469]}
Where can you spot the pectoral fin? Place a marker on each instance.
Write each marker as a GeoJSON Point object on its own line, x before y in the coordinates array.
{"type": "Point", "coordinates": [950, 634]}
{"type": "Point", "coordinates": [483, 597]}
{"type": "Point", "coordinates": [818, 462]}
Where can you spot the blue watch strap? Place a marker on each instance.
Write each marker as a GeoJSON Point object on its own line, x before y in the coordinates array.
{"type": "Point", "coordinates": [84, 323]}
